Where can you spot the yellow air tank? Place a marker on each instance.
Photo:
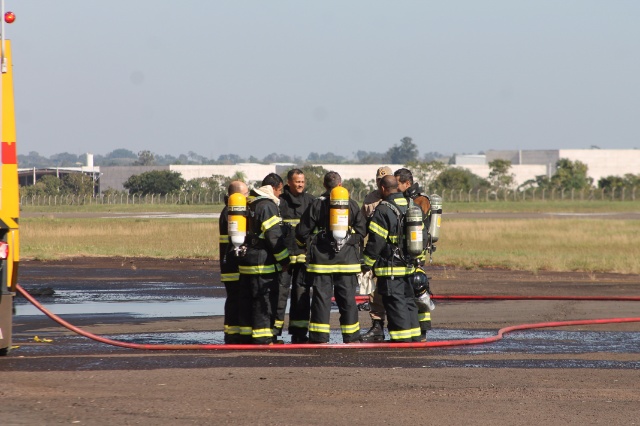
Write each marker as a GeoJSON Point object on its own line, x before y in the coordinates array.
{"type": "Point", "coordinates": [339, 212]}
{"type": "Point", "coordinates": [237, 218]}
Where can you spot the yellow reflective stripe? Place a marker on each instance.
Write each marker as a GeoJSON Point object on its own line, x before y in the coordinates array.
{"type": "Point", "coordinates": [233, 276]}
{"type": "Point", "coordinates": [400, 201]}
{"type": "Point", "coordinates": [351, 328]}
{"type": "Point", "coordinates": [245, 331]}
{"type": "Point", "coordinates": [393, 239]}
{"type": "Point", "coordinates": [232, 329]}
{"type": "Point", "coordinates": [299, 323]}
{"type": "Point", "coordinates": [292, 221]}
{"type": "Point", "coordinates": [424, 316]}
{"type": "Point", "coordinates": [415, 332]}
{"type": "Point", "coordinates": [270, 223]}
{"type": "Point", "coordinates": [293, 259]}
{"type": "Point", "coordinates": [319, 328]}
{"type": "Point", "coordinates": [257, 269]}
{"type": "Point", "coordinates": [334, 269]}
{"type": "Point", "coordinates": [399, 271]}
{"type": "Point", "coordinates": [377, 229]}
{"type": "Point", "coordinates": [278, 323]}
{"type": "Point", "coordinates": [400, 334]}
{"type": "Point", "coordinates": [224, 238]}
{"type": "Point", "coordinates": [279, 256]}
{"type": "Point", "coordinates": [302, 258]}
{"type": "Point", "coordinates": [369, 261]}
{"type": "Point", "coordinates": [261, 332]}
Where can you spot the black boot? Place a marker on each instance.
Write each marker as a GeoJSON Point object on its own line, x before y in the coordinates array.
{"type": "Point", "coordinates": [375, 333]}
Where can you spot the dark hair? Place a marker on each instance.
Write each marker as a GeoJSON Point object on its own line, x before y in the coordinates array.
{"type": "Point", "coordinates": [331, 180]}
{"type": "Point", "coordinates": [272, 179]}
{"type": "Point", "coordinates": [404, 175]}
{"type": "Point", "coordinates": [389, 182]}
{"type": "Point", "coordinates": [293, 172]}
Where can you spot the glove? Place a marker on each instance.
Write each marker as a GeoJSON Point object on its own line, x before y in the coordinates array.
{"type": "Point", "coordinates": [366, 283]}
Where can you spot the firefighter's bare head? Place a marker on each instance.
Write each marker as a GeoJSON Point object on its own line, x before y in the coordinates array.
{"type": "Point", "coordinates": [296, 181]}
{"type": "Point", "coordinates": [331, 180]}
{"type": "Point", "coordinates": [238, 187]}
{"type": "Point", "coordinates": [388, 185]}
{"type": "Point", "coordinates": [404, 178]}
{"type": "Point", "coordinates": [275, 181]}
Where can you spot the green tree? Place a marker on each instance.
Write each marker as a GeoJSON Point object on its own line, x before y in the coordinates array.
{"type": "Point", "coordinates": [458, 178]}
{"type": "Point", "coordinates": [403, 153]}
{"type": "Point", "coordinates": [33, 159]}
{"type": "Point", "coordinates": [65, 159]}
{"type": "Point", "coordinates": [52, 185]}
{"type": "Point", "coordinates": [328, 158]}
{"type": "Point", "coordinates": [155, 182]}
{"type": "Point", "coordinates": [499, 176]}
{"type": "Point", "coordinates": [424, 173]}
{"type": "Point", "coordinates": [77, 184]}
{"type": "Point", "coordinates": [357, 188]}
{"type": "Point", "coordinates": [370, 157]}
{"type": "Point", "coordinates": [571, 175]}
{"type": "Point", "coordinates": [121, 153]}
{"type": "Point", "coordinates": [145, 158]}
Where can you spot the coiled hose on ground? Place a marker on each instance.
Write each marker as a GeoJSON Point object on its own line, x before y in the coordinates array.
{"type": "Point", "coordinates": [442, 343]}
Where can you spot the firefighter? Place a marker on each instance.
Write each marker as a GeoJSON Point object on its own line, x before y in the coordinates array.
{"type": "Point", "coordinates": [385, 253]}
{"type": "Point", "coordinates": [293, 202]}
{"type": "Point", "coordinates": [333, 238]}
{"type": "Point", "coordinates": [412, 193]}
{"type": "Point", "coordinates": [264, 256]}
{"type": "Point", "coordinates": [376, 308]}
{"type": "Point", "coordinates": [229, 268]}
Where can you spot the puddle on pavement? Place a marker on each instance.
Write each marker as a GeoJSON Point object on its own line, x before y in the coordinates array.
{"type": "Point", "coordinates": [144, 309]}
{"type": "Point", "coordinates": [164, 301]}
{"type": "Point", "coordinates": [531, 342]}
{"type": "Point", "coordinates": [172, 300]}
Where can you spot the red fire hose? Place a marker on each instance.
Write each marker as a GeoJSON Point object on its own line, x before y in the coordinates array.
{"type": "Point", "coordinates": [442, 343]}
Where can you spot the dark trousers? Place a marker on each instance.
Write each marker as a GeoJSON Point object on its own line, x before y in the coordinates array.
{"type": "Point", "coordinates": [256, 307]}
{"type": "Point", "coordinates": [284, 286]}
{"type": "Point", "coordinates": [402, 312]}
{"type": "Point", "coordinates": [343, 286]}
{"type": "Point", "coordinates": [231, 313]}
{"type": "Point", "coordinates": [300, 308]}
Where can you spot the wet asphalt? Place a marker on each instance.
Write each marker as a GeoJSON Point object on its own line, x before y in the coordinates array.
{"type": "Point", "coordinates": [128, 298]}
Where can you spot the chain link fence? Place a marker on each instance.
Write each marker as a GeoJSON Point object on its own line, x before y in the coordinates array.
{"type": "Point", "coordinates": [448, 195]}
{"type": "Point", "coordinates": [537, 194]}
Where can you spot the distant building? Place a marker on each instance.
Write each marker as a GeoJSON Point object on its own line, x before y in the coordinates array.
{"type": "Point", "coordinates": [525, 165]}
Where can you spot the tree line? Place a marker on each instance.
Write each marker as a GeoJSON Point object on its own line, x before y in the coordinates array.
{"type": "Point", "coordinates": [433, 177]}
{"type": "Point", "coordinates": [400, 153]}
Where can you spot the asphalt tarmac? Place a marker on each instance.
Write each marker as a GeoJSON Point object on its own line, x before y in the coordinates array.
{"type": "Point", "coordinates": [568, 375]}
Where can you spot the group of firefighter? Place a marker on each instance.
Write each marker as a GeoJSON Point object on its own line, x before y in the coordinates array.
{"type": "Point", "coordinates": [278, 241]}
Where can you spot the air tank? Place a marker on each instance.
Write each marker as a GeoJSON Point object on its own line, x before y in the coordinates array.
{"type": "Point", "coordinates": [237, 218]}
{"type": "Point", "coordinates": [339, 212]}
{"type": "Point", "coordinates": [436, 216]}
{"type": "Point", "coordinates": [413, 230]}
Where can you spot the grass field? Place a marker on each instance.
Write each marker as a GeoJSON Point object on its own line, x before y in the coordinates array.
{"type": "Point", "coordinates": [592, 245]}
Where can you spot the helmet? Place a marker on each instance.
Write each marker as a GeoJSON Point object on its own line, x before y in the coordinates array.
{"type": "Point", "coordinates": [419, 282]}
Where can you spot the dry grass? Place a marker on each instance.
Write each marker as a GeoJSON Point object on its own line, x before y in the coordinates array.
{"type": "Point", "coordinates": [47, 238]}
{"type": "Point", "coordinates": [545, 244]}
{"type": "Point", "coordinates": [590, 245]}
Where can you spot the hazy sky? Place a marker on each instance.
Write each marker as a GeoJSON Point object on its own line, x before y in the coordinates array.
{"type": "Point", "coordinates": [294, 77]}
